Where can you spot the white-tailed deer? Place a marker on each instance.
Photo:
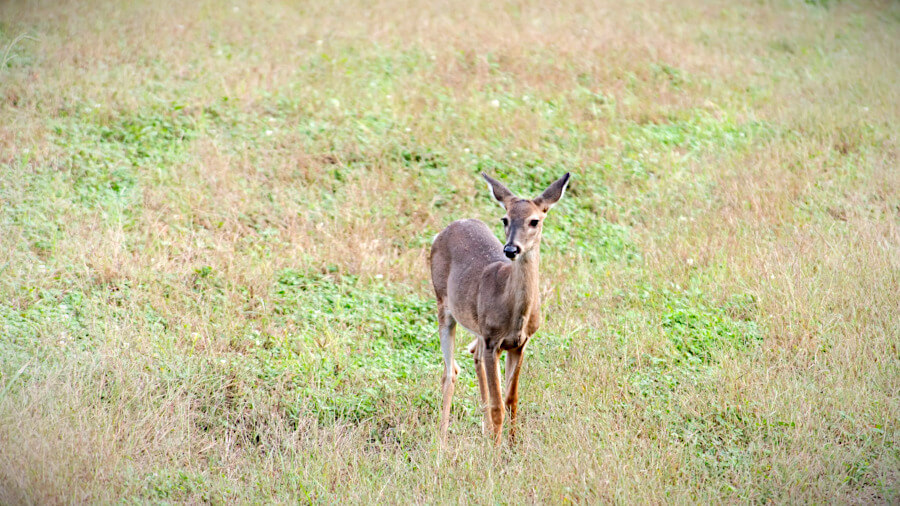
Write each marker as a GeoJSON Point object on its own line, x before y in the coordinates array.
{"type": "Point", "coordinates": [491, 289]}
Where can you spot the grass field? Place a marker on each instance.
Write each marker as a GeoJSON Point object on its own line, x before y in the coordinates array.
{"type": "Point", "coordinates": [215, 221]}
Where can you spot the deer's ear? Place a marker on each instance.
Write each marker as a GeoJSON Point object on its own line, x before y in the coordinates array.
{"type": "Point", "coordinates": [553, 193]}
{"type": "Point", "coordinates": [500, 192]}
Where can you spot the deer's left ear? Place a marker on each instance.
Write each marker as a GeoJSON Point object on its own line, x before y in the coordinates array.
{"type": "Point", "coordinates": [553, 193]}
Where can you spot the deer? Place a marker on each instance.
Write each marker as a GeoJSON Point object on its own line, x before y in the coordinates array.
{"type": "Point", "coordinates": [492, 290]}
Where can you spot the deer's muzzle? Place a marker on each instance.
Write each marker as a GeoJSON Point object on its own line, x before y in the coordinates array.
{"type": "Point", "coordinates": [511, 250]}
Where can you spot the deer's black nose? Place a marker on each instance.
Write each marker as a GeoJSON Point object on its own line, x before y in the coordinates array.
{"type": "Point", "coordinates": [511, 250]}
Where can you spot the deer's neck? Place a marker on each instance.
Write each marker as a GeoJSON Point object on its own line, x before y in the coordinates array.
{"type": "Point", "coordinates": [522, 289]}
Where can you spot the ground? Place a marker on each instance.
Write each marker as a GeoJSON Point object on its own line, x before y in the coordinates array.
{"type": "Point", "coordinates": [214, 230]}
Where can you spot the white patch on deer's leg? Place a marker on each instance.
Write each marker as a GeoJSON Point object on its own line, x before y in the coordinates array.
{"type": "Point", "coordinates": [451, 370]}
{"type": "Point", "coordinates": [447, 342]}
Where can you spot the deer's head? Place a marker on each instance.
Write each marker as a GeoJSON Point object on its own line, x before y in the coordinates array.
{"type": "Point", "coordinates": [524, 218]}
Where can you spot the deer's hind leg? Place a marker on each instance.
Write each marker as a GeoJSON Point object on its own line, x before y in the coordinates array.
{"type": "Point", "coordinates": [447, 331]}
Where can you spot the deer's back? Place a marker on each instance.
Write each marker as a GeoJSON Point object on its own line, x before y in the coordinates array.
{"type": "Point", "coordinates": [459, 256]}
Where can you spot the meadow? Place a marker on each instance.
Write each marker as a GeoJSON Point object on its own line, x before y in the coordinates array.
{"type": "Point", "coordinates": [215, 220]}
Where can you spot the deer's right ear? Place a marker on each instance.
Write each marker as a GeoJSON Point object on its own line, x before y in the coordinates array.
{"type": "Point", "coordinates": [500, 192]}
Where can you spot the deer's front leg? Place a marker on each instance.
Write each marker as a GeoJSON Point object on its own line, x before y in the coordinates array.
{"type": "Point", "coordinates": [514, 359]}
{"type": "Point", "coordinates": [477, 350]}
{"type": "Point", "coordinates": [492, 371]}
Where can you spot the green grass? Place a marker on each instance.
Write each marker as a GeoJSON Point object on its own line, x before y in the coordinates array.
{"type": "Point", "coordinates": [213, 250]}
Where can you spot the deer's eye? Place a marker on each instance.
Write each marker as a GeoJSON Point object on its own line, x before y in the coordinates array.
{"type": "Point", "coordinates": [534, 223]}
{"type": "Point", "coordinates": [505, 221]}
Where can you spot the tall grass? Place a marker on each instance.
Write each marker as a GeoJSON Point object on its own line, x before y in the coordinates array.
{"type": "Point", "coordinates": [215, 220]}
